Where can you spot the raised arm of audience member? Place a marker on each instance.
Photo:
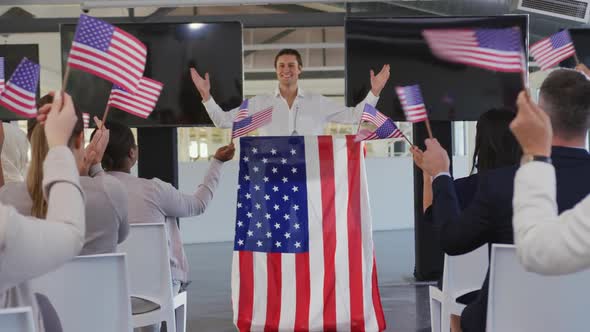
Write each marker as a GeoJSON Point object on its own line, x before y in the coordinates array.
{"type": "Point", "coordinates": [178, 204]}
{"type": "Point", "coordinates": [94, 152]}
{"type": "Point", "coordinates": [546, 243]}
{"type": "Point", "coordinates": [106, 199]}
{"type": "Point", "coordinates": [418, 156]}
{"type": "Point", "coordinates": [30, 247]}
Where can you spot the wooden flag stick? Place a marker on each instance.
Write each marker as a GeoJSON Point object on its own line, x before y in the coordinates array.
{"type": "Point", "coordinates": [104, 117]}
{"type": "Point", "coordinates": [64, 83]}
{"type": "Point", "coordinates": [428, 128]}
{"type": "Point", "coordinates": [576, 58]}
{"type": "Point", "coordinates": [407, 140]}
{"type": "Point", "coordinates": [106, 112]}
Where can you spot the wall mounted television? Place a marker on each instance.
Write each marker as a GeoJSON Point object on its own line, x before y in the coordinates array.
{"type": "Point", "coordinates": [451, 91]}
{"type": "Point", "coordinates": [172, 49]}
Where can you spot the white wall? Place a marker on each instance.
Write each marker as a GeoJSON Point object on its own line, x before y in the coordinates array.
{"type": "Point", "coordinates": [391, 193]}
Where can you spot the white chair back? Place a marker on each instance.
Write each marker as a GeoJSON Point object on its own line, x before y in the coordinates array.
{"type": "Point", "coordinates": [466, 272]}
{"type": "Point", "coordinates": [89, 293]}
{"type": "Point", "coordinates": [17, 320]}
{"type": "Point", "coordinates": [146, 247]}
{"type": "Point", "coordinates": [461, 274]}
{"type": "Point", "coordinates": [524, 301]}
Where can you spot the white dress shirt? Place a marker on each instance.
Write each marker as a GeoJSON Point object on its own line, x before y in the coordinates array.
{"type": "Point", "coordinates": [548, 243]}
{"type": "Point", "coordinates": [308, 115]}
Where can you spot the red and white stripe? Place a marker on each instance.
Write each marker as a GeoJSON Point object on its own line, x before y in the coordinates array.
{"type": "Point", "coordinates": [396, 134]}
{"type": "Point", "coordinates": [19, 100]}
{"type": "Point", "coordinates": [2, 85]}
{"type": "Point", "coordinates": [123, 63]}
{"type": "Point", "coordinates": [377, 120]}
{"type": "Point", "coordinates": [86, 119]}
{"type": "Point", "coordinates": [333, 287]}
{"type": "Point", "coordinates": [259, 119]}
{"type": "Point", "coordinates": [461, 46]}
{"type": "Point", "coordinates": [546, 56]}
{"type": "Point", "coordinates": [142, 103]}
{"type": "Point", "coordinates": [414, 113]}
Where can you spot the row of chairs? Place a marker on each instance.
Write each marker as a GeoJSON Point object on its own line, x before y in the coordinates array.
{"type": "Point", "coordinates": [518, 300]}
{"type": "Point", "coordinates": [95, 292]}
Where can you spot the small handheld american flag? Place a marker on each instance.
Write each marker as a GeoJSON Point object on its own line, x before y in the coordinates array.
{"type": "Point", "coordinates": [412, 102]}
{"type": "Point", "coordinates": [494, 49]}
{"type": "Point", "coordinates": [2, 83]}
{"type": "Point", "coordinates": [142, 103]}
{"type": "Point", "coordinates": [251, 123]}
{"type": "Point", "coordinates": [552, 50]}
{"type": "Point", "coordinates": [108, 52]}
{"type": "Point", "coordinates": [21, 89]}
{"type": "Point", "coordinates": [386, 128]}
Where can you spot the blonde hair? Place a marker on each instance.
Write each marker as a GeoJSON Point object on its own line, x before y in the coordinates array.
{"type": "Point", "coordinates": [39, 150]}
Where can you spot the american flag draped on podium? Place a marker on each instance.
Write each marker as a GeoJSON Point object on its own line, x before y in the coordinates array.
{"type": "Point", "coordinates": [552, 50]}
{"type": "Point", "coordinates": [494, 49]}
{"type": "Point", "coordinates": [142, 102]}
{"type": "Point", "coordinates": [303, 251]}
{"type": "Point", "coordinates": [108, 52]}
{"type": "Point", "coordinates": [21, 90]}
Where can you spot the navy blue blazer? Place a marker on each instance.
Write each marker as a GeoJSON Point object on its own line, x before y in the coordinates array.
{"type": "Point", "coordinates": [465, 189]}
{"type": "Point", "coordinates": [488, 219]}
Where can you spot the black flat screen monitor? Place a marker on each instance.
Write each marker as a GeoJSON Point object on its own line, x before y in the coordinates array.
{"type": "Point", "coordinates": [172, 49]}
{"type": "Point", "coordinates": [13, 54]}
{"type": "Point", "coordinates": [451, 91]}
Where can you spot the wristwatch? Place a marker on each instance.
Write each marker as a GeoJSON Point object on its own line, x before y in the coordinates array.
{"type": "Point", "coordinates": [530, 157]}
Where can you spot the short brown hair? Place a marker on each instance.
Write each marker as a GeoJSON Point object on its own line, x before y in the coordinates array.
{"type": "Point", "coordinates": [566, 97]}
{"type": "Point", "coordinates": [289, 51]}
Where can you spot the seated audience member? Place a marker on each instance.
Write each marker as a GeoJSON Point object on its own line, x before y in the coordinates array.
{"type": "Point", "coordinates": [14, 154]}
{"type": "Point", "coordinates": [565, 97]}
{"type": "Point", "coordinates": [31, 247]}
{"type": "Point", "coordinates": [155, 201]}
{"type": "Point", "coordinates": [495, 147]}
{"type": "Point", "coordinates": [106, 199]}
{"type": "Point", "coordinates": [546, 242]}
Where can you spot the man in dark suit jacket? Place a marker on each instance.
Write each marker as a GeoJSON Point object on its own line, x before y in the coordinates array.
{"type": "Point", "coordinates": [565, 97]}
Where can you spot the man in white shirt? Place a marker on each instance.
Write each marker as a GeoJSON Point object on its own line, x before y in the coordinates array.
{"type": "Point", "coordinates": [295, 112]}
{"type": "Point", "coordinates": [546, 242]}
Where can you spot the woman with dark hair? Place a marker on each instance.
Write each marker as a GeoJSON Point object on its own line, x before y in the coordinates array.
{"type": "Point", "coordinates": [495, 147]}
{"type": "Point", "coordinates": [155, 201]}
